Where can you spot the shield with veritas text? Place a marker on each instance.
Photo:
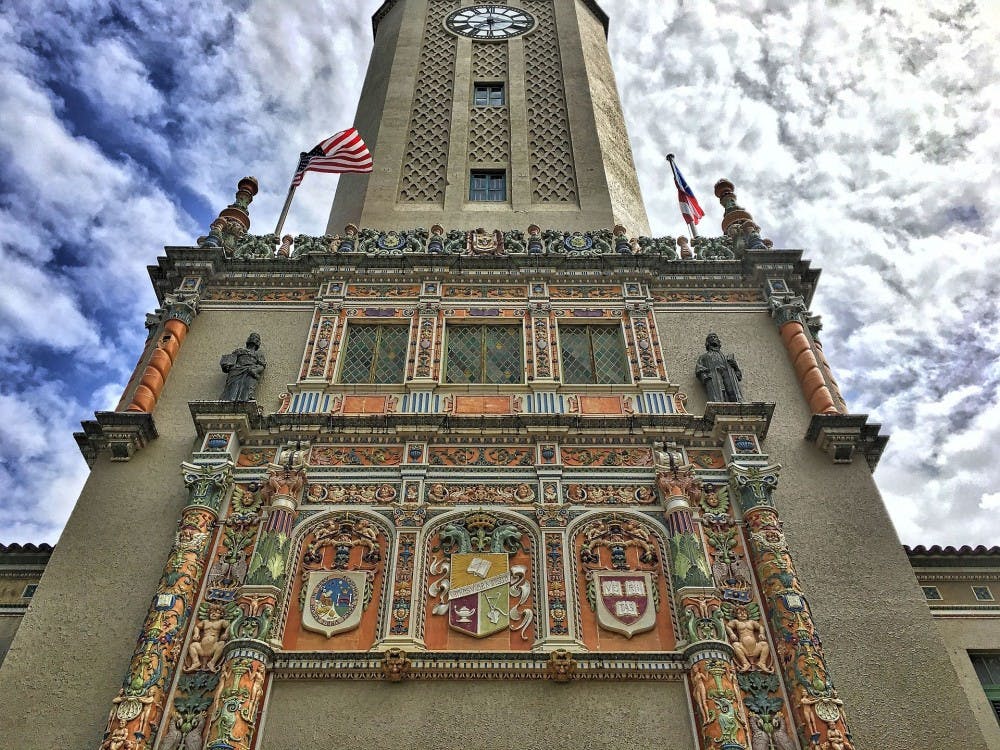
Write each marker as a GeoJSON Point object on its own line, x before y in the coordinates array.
{"type": "Point", "coordinates": [625, 601]}
{"type": "Point", "coordinates": [479, 599]}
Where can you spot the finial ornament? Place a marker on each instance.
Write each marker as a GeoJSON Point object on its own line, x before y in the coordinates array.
{"type": "Point", "coordinates": [737, 222]}
{"type": "Point", "coordinates": [233, 221]}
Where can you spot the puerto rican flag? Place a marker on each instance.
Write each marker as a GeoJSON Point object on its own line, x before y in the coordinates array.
{"type": "Point", "coordinates": [342, 152]}
{"type": "Point", "coordinates": [690, 209]}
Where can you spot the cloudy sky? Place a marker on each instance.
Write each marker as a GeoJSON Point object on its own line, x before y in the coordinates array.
{"type": "Point", "coordinates": [863, 131]}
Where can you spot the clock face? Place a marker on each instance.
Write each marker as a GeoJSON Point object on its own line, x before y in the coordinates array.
{"type": "Point", "coordinates": [487, 22]}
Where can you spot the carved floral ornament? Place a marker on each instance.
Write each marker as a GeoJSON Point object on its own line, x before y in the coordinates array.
{"type": "Point", "coordinates": [471, 243]}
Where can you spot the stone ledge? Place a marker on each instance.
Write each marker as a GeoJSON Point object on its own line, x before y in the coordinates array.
{"type": "Point", "coordinates": [243, 418]}
{"type": "Point", "coordinates": [842, 435]}
{"type": "Point", "coordinates": [121, 432]}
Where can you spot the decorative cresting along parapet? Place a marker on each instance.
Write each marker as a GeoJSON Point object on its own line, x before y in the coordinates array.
{"type": "Point", "coordinates": [715, 691]}
{"type": "Point", "coordinates": [235, 712]}
{"type": "Point", "coordinates": [139, 705]}
{"type": "Point", "coordinates": [233, 222]}
{"type": "Point", "coordinates": [475, 243]}
{"type": "Point", "coordinates": [817, 708]}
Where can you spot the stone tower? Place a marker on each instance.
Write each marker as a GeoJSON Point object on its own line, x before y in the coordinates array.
{"type": "Point", "coordinates": [492, 467]}
{"type": "Point", "coordinates": [554, 129]}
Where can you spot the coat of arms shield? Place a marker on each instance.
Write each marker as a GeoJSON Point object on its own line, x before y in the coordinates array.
{"type": "Point", "coordinates": [625, 601]}
{"type": "Point", "coordinates": [334, 601]}
{"type": "Point", "coordinates": [479, 597]}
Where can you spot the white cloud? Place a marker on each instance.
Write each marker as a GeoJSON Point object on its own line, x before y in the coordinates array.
{"type": "Point", "coordinates": [864, 134]}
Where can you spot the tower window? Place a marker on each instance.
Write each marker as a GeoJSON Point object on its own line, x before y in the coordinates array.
{"type": "Point", "coordinates": [982, 593]}
{"type": "Point", "coordinates": [593, 354]}
{"type": "Point", "coordinates": [375, 354]}
{"type": "Point", "coordinates": [489, 95]}
{"type": "Point", "coordinates": [931, 593]}
{"type": "Point", "coordinates": [488, 186]}
{"type": "Point", "coordinates": [29, 590]}
{"type": "Point", "coordinates": [484, 354]}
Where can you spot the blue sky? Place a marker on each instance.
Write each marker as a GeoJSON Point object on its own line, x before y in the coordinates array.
{"type": "Point", "coordinates": [862, 131]}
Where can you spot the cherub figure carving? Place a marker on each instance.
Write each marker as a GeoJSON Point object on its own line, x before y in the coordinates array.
{"type": "Point", "coordinates": [749, 642]}
{"type": "Point", "coordinates": [211, 632]}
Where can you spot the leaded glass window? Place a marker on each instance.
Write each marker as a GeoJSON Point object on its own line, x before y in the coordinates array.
{"type": "Point", "coordinates": [484, 354]}
{"type": "Point", "coordinates": [375, 354]}
{"type": "Point", "coordinates": [488, 186]}
{"type": "Point", "coordinates": [593, 354]}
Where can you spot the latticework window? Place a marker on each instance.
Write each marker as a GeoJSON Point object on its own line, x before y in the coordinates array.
{"type": "Point", "coordinates": [484, 354]}
{"type": "Point", "coordinates": [375, 354]}
{"type": "Point", "coordinates": [593, 354]}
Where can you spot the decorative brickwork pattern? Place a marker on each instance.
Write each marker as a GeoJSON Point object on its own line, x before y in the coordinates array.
{"type": "Point", "coordinates": [425, 161]}
{"type": "Point", "coordinates": [553, 177]}
{"type": "Point", "coordinates": [489, 127]}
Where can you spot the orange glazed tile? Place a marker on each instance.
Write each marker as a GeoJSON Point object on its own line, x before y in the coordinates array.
{"type": "Point", "coordinates": [601, 405]}
{"type": "Point", "coordinates": [365, 404]}
{"type": "Point", "coordinates": [483, 405]}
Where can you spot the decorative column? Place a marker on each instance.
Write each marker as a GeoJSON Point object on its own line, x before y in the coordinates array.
{"type": "Point", "coordinates": [737, 222]}
{"type": "Point", "coordinates": [721, 717]}
{"type": "Point", "coordinates": [139, 705]}
{"type": "Point", "coordinates": [424, 360]}
{"type": "Point", "coordinates": [789, 314]}
{"type": "Point", "coordinates": [233, 221]}
{"type": "Point", "coordinates": [236, 707]}
{"type": "Point", "coordinates": [817, 708]}
{"type": "Point", "coordinates": [170, 325]}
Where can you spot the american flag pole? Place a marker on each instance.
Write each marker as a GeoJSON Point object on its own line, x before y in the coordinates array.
{"type": "Point", "coordinates": [691, 227]}
{"type": "Point", "coordinates": [284, 210]}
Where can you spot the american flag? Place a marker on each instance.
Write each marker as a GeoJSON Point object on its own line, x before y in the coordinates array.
{"type": "Point", "coordinates": [341, 152]}
{"type": "Point", "coordinates": [690, 209]}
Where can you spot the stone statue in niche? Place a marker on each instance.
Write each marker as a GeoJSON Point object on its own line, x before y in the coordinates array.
{"type": "Point", "coordinates": [719, 372]}
{"type": "Point", "coordinates": [243, 368]}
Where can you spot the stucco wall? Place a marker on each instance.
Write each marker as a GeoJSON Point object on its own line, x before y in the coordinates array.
{"type": "Point", "coordinates": [73, 647]}
{"type": "Point", "coordinates": [885, 655]}
{"type": "Point", "coordinates": [452, 714]}
{"type": "Point", "coordinates": [962, 635]}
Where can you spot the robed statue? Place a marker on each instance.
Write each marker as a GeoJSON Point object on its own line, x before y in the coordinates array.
{"type": "Point", "coordinates": [243, 368]}
{"type": "Point", "coordinates": [719, 372]}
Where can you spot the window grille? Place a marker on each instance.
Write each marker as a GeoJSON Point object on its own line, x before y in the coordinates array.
{"type": "Point", "coordinates": [484, 354]}
{"type": "Point", "coordinates": [375, 354]}
{"type": "Point", "coordinates": [987, 668]}
{"type": "Point", "coordinates": [593, 354]}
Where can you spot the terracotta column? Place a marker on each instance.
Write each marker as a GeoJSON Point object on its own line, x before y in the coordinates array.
{"type": "Point", "coordinates": [789, 313]}
{"type": "Point", "coordinates": [236, 707]}
{"type": "Point", "coordinates": [173, 320]}
{"type": "Point", "coordinates": [817, 708]}
{"type": "Point", "coordinates": [719, 712]}
{"type": "Point", "coordinates": [139, 705]}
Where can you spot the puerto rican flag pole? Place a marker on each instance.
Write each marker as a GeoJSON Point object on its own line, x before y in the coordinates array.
{"type": "Point", "coordinates": [340, 153]}
{"type": "Point", "coordinates": [690, 209]}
